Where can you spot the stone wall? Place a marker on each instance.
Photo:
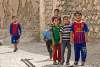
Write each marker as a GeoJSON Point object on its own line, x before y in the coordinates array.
{"type": "Point", "coordinates": [89, 8]}
{"type": "Point", "coordinates": [34, 15]}
{"type": "Point", "coordinates": [91, 13]}
{"type": "Point", "coordinates": [27, 12]}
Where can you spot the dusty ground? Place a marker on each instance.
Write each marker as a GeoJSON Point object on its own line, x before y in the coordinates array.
{"type": "Point", "coordinates": [40, 48]}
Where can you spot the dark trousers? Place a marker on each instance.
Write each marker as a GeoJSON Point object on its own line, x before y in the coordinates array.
{"type": "Point", "coordinates": [49, 48]}
{"type": "Point", "coordinates": [66, 43]}
{"type": "Point", "coordinates": [80, 50]}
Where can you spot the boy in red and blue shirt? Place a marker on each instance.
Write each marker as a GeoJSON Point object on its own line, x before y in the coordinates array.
{"type": "Point", "coordinates": [15, 32]}
{"type": "Point", "coordinates": [80, 30]}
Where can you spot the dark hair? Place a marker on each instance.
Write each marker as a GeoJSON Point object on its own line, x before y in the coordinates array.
{"type": "Point", "coordinates": [54, 18]}
{"type": "Point", "coordinates": [56, 10]}
{"type": "Point", "coordinates": [66, 17]}
{"type": "Point", "coordinates": [13, 17]}
{"type": "Point", "coordinates": [77, 13]}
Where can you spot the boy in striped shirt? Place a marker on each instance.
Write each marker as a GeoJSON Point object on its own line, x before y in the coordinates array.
{"type": "Point", "coordinates": [65, 38]}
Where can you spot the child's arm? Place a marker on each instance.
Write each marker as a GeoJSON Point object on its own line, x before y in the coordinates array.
{"type": "Point", "coordinates": [71, 37]}
{"type": "Point", "coordinates": [86, 36]}
{"type": "Point", "coordinates": [52, 35]}
{"type": "Point", "coordinates": [71, 34]}
{"type": "Point", "coordinates": [60, 38]}
{"type": "Point", "coordinates": [20, 29]}
{"type": "Point", "coordinates": [10, 29]}
{"type": "Point", "coordinates": [86, 30]}
{"type": "Point", "coordinates": [44, 35]}
{"type": "Point", "coordinates": [61, 28]}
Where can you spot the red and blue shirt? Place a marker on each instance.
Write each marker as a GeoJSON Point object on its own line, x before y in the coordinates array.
{"type": "Point", "coordinates": [15, 29]}
{"type": "Point", "coordinates": [79, 29]}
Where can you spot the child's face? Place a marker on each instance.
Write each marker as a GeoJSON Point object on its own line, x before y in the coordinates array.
{"type": "Point", "coordinates": [14, 19]}
{"type": "Point", "coordinates": [56, 21]}
{"type": "Point", "coordinates": [56, 13]}
{"type": "Point", "coordinates": [78, 17]}
{"type": "Point", "coordinates": [66, 20]}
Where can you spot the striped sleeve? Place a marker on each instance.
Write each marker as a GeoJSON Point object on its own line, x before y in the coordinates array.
{"type": "Point", "coordinates": [61, 29]}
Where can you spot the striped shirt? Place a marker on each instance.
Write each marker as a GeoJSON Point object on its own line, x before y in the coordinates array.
{"type": "Point", "coordinates": [65, 31]}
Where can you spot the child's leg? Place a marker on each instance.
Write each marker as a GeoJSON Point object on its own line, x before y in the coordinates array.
{"type": "Point", "coordinates": [50, 53]}
{"type": "Point", "coordinates": [50, 49]}
{"type": "Point", "coordinates": [83, 52]}
{"type": "Point", "coordinates": [63, 51]}
{"type": "Point", "coordinates": [77, 52]}
{"type": "Point", "coordinates": [59, 53]}
{"type": "Point", "coordinates": [54, 53]}
{"type": "Point", "coordinates": [69, 51]}
{"type": "Point", "coordinates": [48, 44]}
{"type": "Point", "coordinates": [15, 45]}
{"type": "Point", "coordinates": [15, 42]}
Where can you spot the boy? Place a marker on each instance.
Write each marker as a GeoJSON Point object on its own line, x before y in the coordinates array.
{"type": "Point", "coordinates": [15, 32]}
{"type": "Point", "coordinates": [56, 39]}
{"type": "Point", "coordinates": [80, 30]}
{"type": "Point", "coordinates": [56, 14]}
{"type": "Point", "coordinates": [65, 37]}
{"type": "Point", "coordinates": [48, 39]}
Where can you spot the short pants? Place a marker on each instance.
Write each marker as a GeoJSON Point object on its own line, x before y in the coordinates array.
{"type": "Point", "coordinates": [15, 39]}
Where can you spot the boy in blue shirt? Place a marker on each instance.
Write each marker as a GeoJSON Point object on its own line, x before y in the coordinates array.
{"type": "Point", "coordinates": [47, 34]}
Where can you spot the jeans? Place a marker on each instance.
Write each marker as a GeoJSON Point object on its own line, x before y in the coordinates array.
{"type": "Point", "coordinates": [49, 48]}
{"type": "Point", "coordinates": [66, 43]}
{"type": "Point", "coordinates": [80, 50]}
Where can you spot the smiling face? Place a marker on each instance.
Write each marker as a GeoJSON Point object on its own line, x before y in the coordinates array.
{"type": "Point", "coordinates": [66, 20]}
{"type": "Point", "coordinates": [78, 16]}
{"type": "Point", "coordinates": [56, 21]}
{"type": "Point", "coordinates": [14, 18]}
{"type": "Point", "coordinates": [56, 12]}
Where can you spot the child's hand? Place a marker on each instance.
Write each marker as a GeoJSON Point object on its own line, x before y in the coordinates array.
{"type": "Point", "coordinates": [71, 40]}
{"type": "Point", "coordinates": [20, 34]}
{"type": "Point", "coordinates": [60, 41]}
{"type": "Point", "coordinates": [86, 39]}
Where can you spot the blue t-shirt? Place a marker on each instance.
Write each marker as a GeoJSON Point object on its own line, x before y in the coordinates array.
{"type": "Point", "coordinates": [47, 35]}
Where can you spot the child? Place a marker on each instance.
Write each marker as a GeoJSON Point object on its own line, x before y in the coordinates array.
{"type": "Point", "coordinates": [56, 39]}
{"type": "Point", "coordinates": [15, 32]}
{"type": "Point", "coordinates": [56, 14]}
{"type": "Point", "coordinates": [65, 37]}
{"type": "Point", "coordinates": [80, 30]}
{"type": "Point", "coordinates": [48, 39]}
